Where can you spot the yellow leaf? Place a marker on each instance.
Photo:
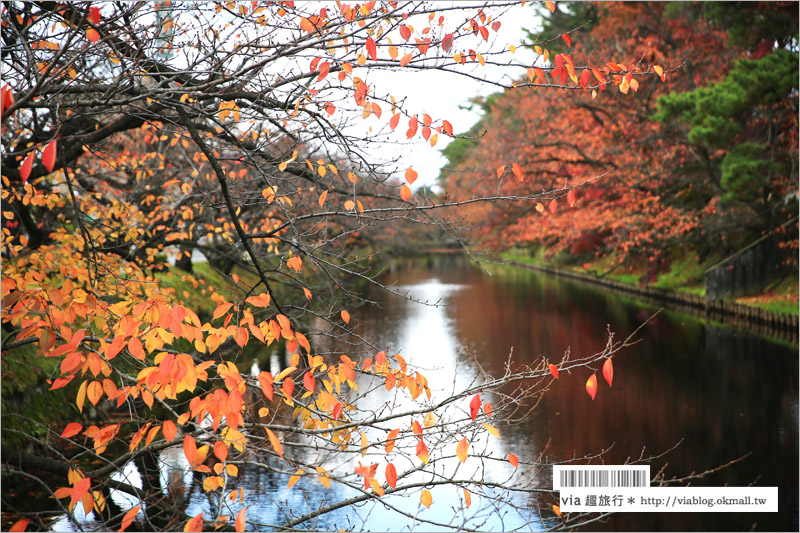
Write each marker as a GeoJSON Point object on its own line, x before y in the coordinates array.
{"type": "Point", "coordinates": [492, 430]}
{"type": "Point", "coordinates": [283, 166]}
{"type": "Point", "coordinates": [232, 470]}
{"type": "Point", "coordinates": [285, 372]}
{"type": "Point", "coordinates": [426, 498]}
{"type": "Point", "coordinates": [295, 478]}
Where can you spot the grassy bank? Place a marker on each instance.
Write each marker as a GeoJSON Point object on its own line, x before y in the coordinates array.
{"type": "Point", "coordinates": [685, 274]}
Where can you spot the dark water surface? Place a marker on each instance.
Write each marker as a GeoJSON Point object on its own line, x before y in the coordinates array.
{"type": "Point", "coordinates": [720, 393]}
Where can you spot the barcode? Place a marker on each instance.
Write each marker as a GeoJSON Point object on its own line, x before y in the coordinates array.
{"type": "Point", "coordinates": [600, 476]}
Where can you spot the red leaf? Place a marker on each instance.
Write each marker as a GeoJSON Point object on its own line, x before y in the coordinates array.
{"type": "Point", "coordinates": [324, 69]}
{"type": "Point", "coordinates": [25, 168]}
{"type": "Point", "coordinates": [169, 429]}
{"type": "Point", "coordinates": [395, 120]}
{"type": "Point", "coordinates": [608, 371]}
{"type": "Point", "coordinates": [567, 39]}
{"type": "Point", "coordinates": [49, 156]}
{"type": "Point", "coordinates": [447, 42]}
{"type": "Point", "coordinates": [585, 75]}
{"type": "Point", "coordinates": [20, 525]}
{"type": "Point", "coordinates": [554, 370]}
{"type": "Point", "coordinates": [571, 197]}
{"type": "Point", "coordinates": [474, 405]}
{"type": "Point", "coordinates": [337, 410]}
{"type": "Point", "coordinates": [372, 50]}
{"type": "Point", "coordinates": [552, 205]}
{"type": "Point", "coordinates": [405, 32]}
{"type": "Point", "coordinates": [308, 381]}
{"type": "Point", "coordinates": [496, 25]}
{"type": "Point", "coordinates": [71, 430]}
{"type": "Point", "coordinates": [94, 15]}
{"type": "Point", "coordinates": [591, 386]}
{"type": "Point", "coordinates": [391, 475]}
{"type": "Point", "coordinates": [513, 460]}
{"type": "Point", "coordinates": [447, 128]}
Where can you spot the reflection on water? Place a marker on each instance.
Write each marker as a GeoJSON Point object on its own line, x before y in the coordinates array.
{"type": "Point", "coordinates": [721, 393]}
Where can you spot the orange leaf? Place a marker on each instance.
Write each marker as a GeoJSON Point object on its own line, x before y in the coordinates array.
{"type": "Point", "coordinates": [195, 524]}
{"type": "Point", "coordinates": [411, 176]}
{"type": "Point", "coordinates": [25, 169]}
{"type": "Point", "coordinates": [413, 123]}
{"type": "Point", "coordinates": [71, 430]}
{"type": "Point", "coordinates": [221, 310]}
{"type": "Point", "coordinates": [390, 440]}
{"type": "Point", "coordinates": [571, 197]}
{"type": "Point", "coordinates": [80, 490]}
{"type": "Point", "coordinates": [307, 293]}
{"type": "Point", "coordinates": [552, 205]}
{"type": "Point", "coordinates": [567, 39]}
{"type": "Point", "coordinates": [405, 32]}
{"type": "Point", "coordinates": [372, 50]}
{"type": "Point", "coordinates": [276, 444]}
{"type": "Point", "coordinates": [239, 523]}
{"type": "Point", "coordinates": [554, 370]}
{"type": "Point", "coordinates": [92, 35]}
{"type": "Point", "coordinates": [608, 371]}
{"type": "Point", "coordinates": [557, 509]}
{"type": "Point", "coordinates": [189, 448]}
{"type": "Point", "coordinates": [330, 108]}
{"type": "Point", "coordinates": [128, 518]}
{"type": "Point", "coordinates": [49, 156]}
{"type": "Point", "coordinates": [94, 392]}
{"type": "Point", "coordinates": [405, 60]}
{"type": "Point", "coordinates": [591, 386]}
{"type": "Point", "coordinates": [265, 380]}
{"type": "Point", "coordinates": [391, 475]}
{"type": "Point", "coordinates": [467, 498]}
{"type": "Point", "coordinates": [513, 460]}
{"type": "Point", "coordinates": [220, 450]}
{"type": "Point", "coordinates": [322, 198]}
{"type": "Point", "coordinates": [169, 429]}
{"type": "Point", "coordinates": [487, 408]}
{"type": "Point", "coordinates": [551, 6]}
{"type": "Point", "coordinates": [425, 498]}
{"type": "Point", "coordinates": [295, 478]}
{"type": "Point", "coordinates": [501, 170]}
{"type": "Point", "coordinates": [462, 450]}
{"type": "Point", "coordinates": [295, 263]}
{"type": "Point", "coordinates": [405, 193]}
{"type": "Point", "coordinates": [422, 451]}
{"type": "Point", "coordinates": [394, 121]}
{"type": "Point", "coordinates": [20, 525]}
{"type": "Point", "coordinates": [515, 168]}
{"type": "Point", "coordinates": [345, 316]}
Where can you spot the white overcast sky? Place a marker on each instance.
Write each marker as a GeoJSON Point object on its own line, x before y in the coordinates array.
{"type": "Point", "coordinates": [440, 94]}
